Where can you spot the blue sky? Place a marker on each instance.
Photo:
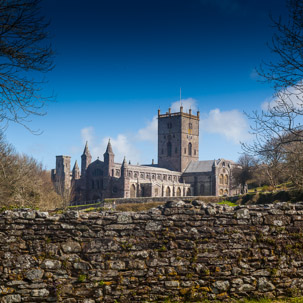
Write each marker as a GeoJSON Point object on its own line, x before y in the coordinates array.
{"type": "Point", "coordinates": [118, 61]}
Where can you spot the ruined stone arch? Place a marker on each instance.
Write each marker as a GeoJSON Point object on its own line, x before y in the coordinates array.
{"type": "Point", "coordinates": [133, 191]}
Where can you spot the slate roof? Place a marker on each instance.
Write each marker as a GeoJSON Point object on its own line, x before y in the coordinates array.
{"type": "Point", "coordinates": [199, 166]}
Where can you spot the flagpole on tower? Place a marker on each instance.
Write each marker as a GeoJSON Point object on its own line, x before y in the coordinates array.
{"type": "Point", "coordinates": [180, 97]}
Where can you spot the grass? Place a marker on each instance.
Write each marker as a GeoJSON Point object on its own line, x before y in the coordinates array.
{"type": "Point", "coordinates": [225, 202]}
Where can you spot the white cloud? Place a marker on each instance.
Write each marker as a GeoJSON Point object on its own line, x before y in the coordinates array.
{"type": "Point", "coordinates": [122, 145]}
{"type": "Point", "coordinates": [231, 124]}
{"type": "Point", "coordinates": [87, 134]}
{"type": "Point", "coordinates": [150, 132]}
{"type": "Point", "coordinates": [187, 104]}
{"type": "Point", "coordinates": [291, 97]}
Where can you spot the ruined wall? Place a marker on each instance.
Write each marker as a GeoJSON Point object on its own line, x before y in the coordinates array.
{"type": "Point", "coordinates": [183, 251]}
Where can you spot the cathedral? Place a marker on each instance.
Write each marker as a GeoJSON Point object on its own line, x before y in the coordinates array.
{"type": "Point", "coordinates": [178, 172]}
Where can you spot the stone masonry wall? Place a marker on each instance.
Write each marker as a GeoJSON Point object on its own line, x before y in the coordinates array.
{"type": "Point", "coordinates": [183, 251]}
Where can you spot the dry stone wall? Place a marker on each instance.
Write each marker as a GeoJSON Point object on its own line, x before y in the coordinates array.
{"type": "Point", "coordinates": [183, 251]}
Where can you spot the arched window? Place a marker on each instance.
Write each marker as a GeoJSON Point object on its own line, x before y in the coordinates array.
{"type": "Point", "coordinates": [221, 179]}
{"type": "Point", "coordinates": [169, 149]}
{"type": "Point", "coordinates": [226, 179]}
{"type": "Point", "coordinates": [133, 191]}
{"type": "Point", "coordinates": [225, 192]}
{"type": "Point", "coordinates": [189, 149]}
{"type": "Point", "coordinates": [221, 192]}
{"type": "Point", "coordinates": [178, 192]}
{"type": "Point", "coordinates": [167, 192]}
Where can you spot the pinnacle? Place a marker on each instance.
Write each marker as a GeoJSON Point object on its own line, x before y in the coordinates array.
{"type": "Point", "coordinates": [76, 167]}
{"type": "Point", "coordinates": [86, 150]}
{"type": "Point", "coordinates": [109, 148]}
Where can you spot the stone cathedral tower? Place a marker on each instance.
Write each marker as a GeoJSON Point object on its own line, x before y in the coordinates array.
{"type": "Point", "coordinates": [178, 139]}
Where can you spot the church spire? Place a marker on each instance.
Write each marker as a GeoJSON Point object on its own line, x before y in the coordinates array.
{"type": "Point", "coordinates": [76, 171]}
{"type": "Point", "coordinates": [109, 158]}
{"type": "Point", "coordinates": [86, 159]}
{"type": "Point", "coordinates": [109, 149]}
{"type": "Point", "coordinates": [86, 150]}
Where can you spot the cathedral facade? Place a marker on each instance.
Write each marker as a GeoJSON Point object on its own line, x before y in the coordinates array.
{"type": "Point", "coordinates": [178, 172]}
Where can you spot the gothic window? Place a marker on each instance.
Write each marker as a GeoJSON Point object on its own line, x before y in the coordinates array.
{"type": "Point", "coordinates": [167, 192]}
{"type": "Point", "coordinates": [226, 179]}
{"type": "Point", "coordinates": [133, 191]}
{"type": "Point", "coordinates": [223, 164]}
{"type": "Point", "coordinates": [176, 150]}
{"type": "Point", "coordinates": [225, 192]}
{"type": "Point", "coordinates": [178, 192]}
{"type": "Point", "coordinates": [156, 192]}
{"type": "Point", "coordinates": [189, 149]}
{"type": "Point", "coordinates": [117, 172]}
{"type": "Point", "coordinates": [221, 179]}
{"type": "Point", "coordinates": [169, 149]}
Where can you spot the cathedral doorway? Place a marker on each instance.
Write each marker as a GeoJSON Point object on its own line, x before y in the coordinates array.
{"type": "Point", "coordinates": [167, 193]}
{"type": "Point", "coordinates": [133, 191]}
{"type": "Point", "coordinates": [178, 192]}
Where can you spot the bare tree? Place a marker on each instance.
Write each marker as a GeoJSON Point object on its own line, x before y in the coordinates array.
{"type": "Point", "coordinates": [23, 181]}
{"type": "Point", "coordinates": [243, 172]}
{"type": "Point", "coordinates": [24, 52]}
{"type": "Point", "coordinates": [278, 128]}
